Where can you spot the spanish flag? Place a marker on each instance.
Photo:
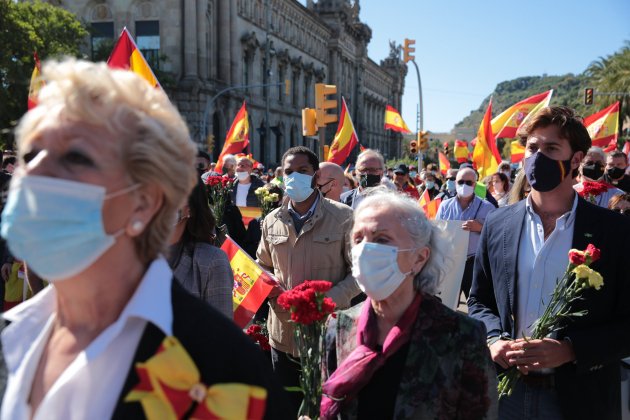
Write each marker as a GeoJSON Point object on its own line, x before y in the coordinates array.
{"type": "Point", "coordinates": [517, 151]}
{"type": "Point", "coordinates": [36, 83]}
{"type": "Point", "coordinates": [126, 55]}
{"type": "Point", "coordinates": [345, 139]}
{"type": "Point", "coordinates": [237, 138]}
{"type": "Point", "coordinates": [250, 213]}
{"type": "Point", "coordinates": [252, 284]}
{"type": "Point", "coordinates": [486, 157]}
{"type": "Point", "coordinates": [445, 165]}
{"type": "Point", "coordinates": [506, 124]}
{"type": "Point", "coordinates": [461, 151]}
{"type": "Point", "coordinates": [603, 127]}
{"type": "Point", "coordinates": [393, 121]}
{"type": "Point", "coordinates": [429, 206]}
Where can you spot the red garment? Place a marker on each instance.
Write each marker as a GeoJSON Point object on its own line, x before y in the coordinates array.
{"type": "Point", "coordinates": [359, 367]}
{"type": "Point", "coordinates": [411, 191]}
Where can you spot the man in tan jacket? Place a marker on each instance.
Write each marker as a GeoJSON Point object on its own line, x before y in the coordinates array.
{"type": "Point", "coordinates": [305, 239]}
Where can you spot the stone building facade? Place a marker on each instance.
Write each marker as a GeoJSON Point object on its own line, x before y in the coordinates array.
{"type": "Point", "coordinates": [207, 46]}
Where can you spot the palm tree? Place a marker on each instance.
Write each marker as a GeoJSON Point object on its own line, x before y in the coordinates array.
{"type": "Point", "coordinates": [612, 74]}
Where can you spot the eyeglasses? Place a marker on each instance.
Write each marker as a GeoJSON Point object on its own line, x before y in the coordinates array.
{"type": "Point", "coordinates": [462, 182]}
{"type": "Point", "coordinates": [451, 178]}
{"type": "Point", "coordinates": [592, 163]}
{"type": "Point", "coordinates": [625, 212]}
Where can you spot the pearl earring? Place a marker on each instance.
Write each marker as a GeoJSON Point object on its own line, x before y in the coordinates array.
{"type": "Point", "coordinates": [137, 226]}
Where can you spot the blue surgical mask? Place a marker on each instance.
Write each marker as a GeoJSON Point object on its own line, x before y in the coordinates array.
{"type": "Point", "coordinates": [413, 174]}
{"type": "Point", "coordinates": [56, 225]}
{"type": "Point", "coordinates": [450, 186]}
{"type": "Point", "coordinates": [429, 184]}
{"type": "Point", "coordinates": [298, 186]}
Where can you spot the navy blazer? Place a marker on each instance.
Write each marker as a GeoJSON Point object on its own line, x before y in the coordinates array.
{"type": "Point", "coordinates": [589, 387]}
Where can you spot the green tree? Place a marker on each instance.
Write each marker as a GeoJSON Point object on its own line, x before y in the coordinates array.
{"type": "Point", "coordinates": [612, 74]}
{"type": "Point", "coordinates": [26, 27]}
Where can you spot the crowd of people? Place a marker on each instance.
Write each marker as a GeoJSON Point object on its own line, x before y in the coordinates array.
{"type": "Point", "coordinates": [108, 204]}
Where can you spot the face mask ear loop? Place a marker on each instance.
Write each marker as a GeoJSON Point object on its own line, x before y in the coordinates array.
{"type": "Point", "coordinates": [122, 192]}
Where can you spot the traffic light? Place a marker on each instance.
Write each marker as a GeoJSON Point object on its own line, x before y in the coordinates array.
{"type": "Point", "coordinates": [322, 104]}
{"type": "Point", "coordinates": [408, 49]}
{"type": "Point", "coordinates": [588, 96]}
{"type": "Point", "coordinates": [447, 149]}
{"type": "Point", "coordinates": [413, 147]}
{"type": "Point", "coordinates": [308, 122]}
{"type": "Point", "coordinates": [423, 140]}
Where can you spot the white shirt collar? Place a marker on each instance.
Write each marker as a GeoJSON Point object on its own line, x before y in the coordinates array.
{"type": "Point", "coordinates": [563, 222]}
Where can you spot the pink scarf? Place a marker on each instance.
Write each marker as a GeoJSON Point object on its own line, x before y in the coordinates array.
{"type": "Point", "coordinates": [357, 370]}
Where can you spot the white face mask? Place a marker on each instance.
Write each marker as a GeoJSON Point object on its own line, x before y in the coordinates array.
{"type": "Point", "coordinates": [464, 190]}
{"type": "Point", "coordinates": [242, 176]}
{"type": "Point", "coordinates": [375, 267]}
{"type": "Point", "coordinates": [298, 186]}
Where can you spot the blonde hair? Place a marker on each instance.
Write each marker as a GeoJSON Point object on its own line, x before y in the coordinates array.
{"type": "Point", "coordinates": [154, 139]}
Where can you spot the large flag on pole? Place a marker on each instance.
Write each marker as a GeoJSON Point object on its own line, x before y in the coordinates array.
{"type": "Point", "coordinates": [506, 124]}
{"type": "Point", "coordinates": [445, 165]}
{"type": "Point", "coordinates": [517, 151]}
{"type": "Point", "coordinates": [345, 139]}
{"type": "Point", "coordinates": [237, 138]}
{"type": "Point", "coordinates": [486, 157]}
{"type": "Point", "coordinates": [603, 127]}
{"type": "Point", "coordinates": [461, 151]}
{"type": "Point", "coordinates": [393, 121]}
{"type": "Point", "coordinates": [36, 83]}
{"type": "Point", "coordinates": [126, 55]}
{"type": "Point", "coordinates": [252, 284]}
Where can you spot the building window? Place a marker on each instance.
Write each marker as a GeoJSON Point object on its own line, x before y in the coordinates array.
{"type": "Point", "coordinates": [148, 41]}
{"type": "Point", "coordinates": [102, 40]}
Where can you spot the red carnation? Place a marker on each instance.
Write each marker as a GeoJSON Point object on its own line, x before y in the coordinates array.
{"type": "Point", "coordinates": [592, 189]}
{"type": "Point", "coordinates": [576, 257]}
{"type": "Point", "coordinates": [307, 302]}
{"type": "Point", "coordinates": [593, 252]}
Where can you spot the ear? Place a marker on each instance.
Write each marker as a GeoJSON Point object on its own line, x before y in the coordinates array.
{"type": "Point", "coordinates": [316, 176]}
{"type": "Point", "coordinates": [422, 256]}
{"type": "Point", "coordinates": [577, 159]}
{"type": "Point", "coordinates": [148, 201]}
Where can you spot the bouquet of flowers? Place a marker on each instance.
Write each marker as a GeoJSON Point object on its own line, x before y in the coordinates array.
{"type": "Point", "coordinates": [219, 189]}
{"type": "Point", "coordinates": [258, 332]}
{"type": "Point", "coordinates": [309, 309]}
{"type": "Point", "coordinates": [268, 200]}
{"type": "Point", "coordinates": [591, 189]}
{"type": "Point", "coordinates": [559, 307]}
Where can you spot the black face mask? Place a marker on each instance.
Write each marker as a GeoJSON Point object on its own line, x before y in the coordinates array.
{"type": "Point", "coordinates": [319, 187]}
{"type": "Point", "coordinates": [543, 173]}
{"type": "Point", "coordinates": [593, 172]}
{"type": "Point", "coordinates": [369, 180]}
{"type": "Point", "coordinates": [615, 173]}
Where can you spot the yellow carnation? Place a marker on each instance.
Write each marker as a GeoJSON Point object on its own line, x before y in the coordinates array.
{"type": "Point", "coordinates": [274, 196]}
{"type": "Point", "coordinates": [582, 271]}
{"type": "Point", "coordinates": [595, 279]}
{"type": "Point", "coordinates": [261, 191]}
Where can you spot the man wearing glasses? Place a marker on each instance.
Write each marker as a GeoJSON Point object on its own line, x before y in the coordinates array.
{"type": "Point", "coordinates": [370, 168]}
{"type": "Point", "coordinates": [472, 210]}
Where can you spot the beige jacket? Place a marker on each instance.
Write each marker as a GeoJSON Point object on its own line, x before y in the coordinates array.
{"type": "Point", "coordinates": [320, 252]}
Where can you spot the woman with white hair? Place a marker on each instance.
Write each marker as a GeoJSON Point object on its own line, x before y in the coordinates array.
{"type": "Point", "coordinates": [91, 211]}
{"type": "Point", "coordinates": [402, 354]}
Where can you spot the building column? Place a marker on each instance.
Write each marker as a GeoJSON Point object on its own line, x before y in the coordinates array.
{"type": "Point", "coordinates": [190, 39]}
{"type": "Point", "coordinates": [223, 33]}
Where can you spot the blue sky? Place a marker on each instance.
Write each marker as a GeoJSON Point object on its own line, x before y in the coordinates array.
{"type": "Point", "coordinates": [465, 48]}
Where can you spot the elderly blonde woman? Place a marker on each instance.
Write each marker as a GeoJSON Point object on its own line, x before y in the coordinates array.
{"type": "Point", "coordinates": [402, 354]}
{"type": "Point", "coordinates": [91, 211]}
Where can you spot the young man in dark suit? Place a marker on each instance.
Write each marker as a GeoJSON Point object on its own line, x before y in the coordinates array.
{"type": "Point", "coordinates": [573, 374]}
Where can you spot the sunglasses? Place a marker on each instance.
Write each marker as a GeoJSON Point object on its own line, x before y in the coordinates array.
{"type": "Point", "coordinates": [451, 178]}
{"type": "Point", "coordinates": [462, 182]}
{"type": "Point", "coordinates": [625, 212]}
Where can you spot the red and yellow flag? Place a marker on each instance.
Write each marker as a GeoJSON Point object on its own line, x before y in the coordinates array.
{"type": "Point", "coordinates": [603, 126]}
{"type": "Point", "coordinates": [445, 165]}
{"type": "Point", "coordinates": [506, 124]}
{"type": "Point", "coordinates": [252, 284]}
{"type": "Point", "coordinates": [237, 138]}
{"type": "Point", "coordinates": [486, 157]}
{"type": "Point", "coordinates": [249, 214]}
{"type": "Point", "coordinates": [36, 83]}
{"type": "Point", "coordinates": [345, 139]}
{"type": "Point", "coordinates": [461, 151]}
{"type": "Point", "coordinates": [517, 151]}
{"type": "Point", "coordinates": [429, 206]}
{"type": "Point", "coordinates": [126, 55]}
{"type": "Point", "coordinates": [393, 121]}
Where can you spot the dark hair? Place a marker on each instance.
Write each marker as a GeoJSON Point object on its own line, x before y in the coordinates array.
{"type": "Point", "coordinates": [200, 225]}
{"type": "Point", "coordinates": [202, 154]}
{"type": "Point", "coordinates": [504, 180]}
{"type": "Point", "coordinates": [569, 123]}
{"type": "Point", "coordinates": [619, 154]}
{"type": "Point", "coordinates": [301, 150]}
{"type": "Point", "coordinates": [9, 160]}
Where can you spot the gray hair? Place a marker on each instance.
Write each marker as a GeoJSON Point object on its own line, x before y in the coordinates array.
{"type": "Point", "coordinates": [229, 160]}
{"type": "Point", "coordinates": [597, 151]}
{"type": "Point", "coordinates": [371, 153]}
{"type": "Point", "coordinates": [422, 232]}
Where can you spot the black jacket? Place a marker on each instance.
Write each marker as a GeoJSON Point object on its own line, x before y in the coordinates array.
{"type": "Point", "coordinates": [588, 388]}
{"type": "Point", "coordinates": [252, 200]}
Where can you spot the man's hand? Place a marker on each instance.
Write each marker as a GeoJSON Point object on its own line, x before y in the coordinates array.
{"type": "Point", "coordinates": [498, 352]}
{"type": "Point", "coordinates": [275, 292]}
{"type": "Point", "coordinates": [472, 225]}
{"type": "Point", "coordinates": [5, 271]}
{"type": "Point", "coordinates": [539, 354]}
